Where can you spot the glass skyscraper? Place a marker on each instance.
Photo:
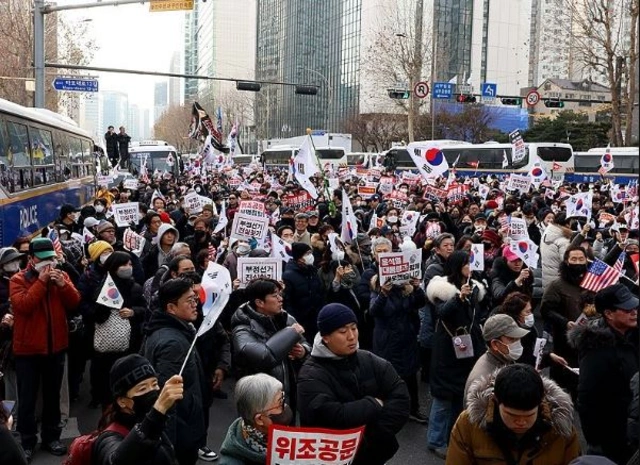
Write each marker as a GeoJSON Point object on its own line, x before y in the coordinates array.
{"type": "Point", "coordinates": [453, 28]}
{"type": "Point", "coordinates": [314, 42]}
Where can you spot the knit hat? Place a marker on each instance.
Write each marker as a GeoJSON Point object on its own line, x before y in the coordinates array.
{"type": "Point", "coordinates": [334, 316]}
{"type": "Point", "coordinates": [491, 236]}
{"type": "Point", "coordinates": [298, 249]}
{"type": "Point", "coordinates": [164, 216]}
{"type": "Point", "coordinates": [104, 225]}
{"type": "Point", "coordinates": [129, 371]}
{"type": "Point", "coordinates": [97, 248]}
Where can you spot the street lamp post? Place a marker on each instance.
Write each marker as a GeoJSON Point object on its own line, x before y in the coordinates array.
{"type": "Point", "coordinates": [329, 95]}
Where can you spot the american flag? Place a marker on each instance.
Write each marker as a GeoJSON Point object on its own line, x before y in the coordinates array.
{"type": "Point", "coordinates": [600, 275]}
{"type": "Point", "coordinates": [57, 246]}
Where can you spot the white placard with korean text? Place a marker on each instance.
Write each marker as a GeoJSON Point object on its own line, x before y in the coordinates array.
{"type": "Point", "coordinates": [400, 267]}
{"type": "Point", "coordinates": [248, 226]}
{"type": "Point", "coordinates": [250, 268]}
{"type": "Point", "coordinates": [125, 213]}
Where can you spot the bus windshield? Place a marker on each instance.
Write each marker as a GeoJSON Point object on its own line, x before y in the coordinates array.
{"type": "Point", "coordinates": [551, 154]}
{"type": "Point", "coordinates": [156, 160]}
{"type": "Point", "coordinates": [330, 154]}
{"type": "Point", "coordinates": [278, 157]}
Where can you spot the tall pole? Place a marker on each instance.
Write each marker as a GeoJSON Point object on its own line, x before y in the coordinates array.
{"type": "Point", "coordinates": [38, 52]}
{"type": "Point", "coordinates": [416, 68]}
{"type": "Point", "coordinates": [433, 72]}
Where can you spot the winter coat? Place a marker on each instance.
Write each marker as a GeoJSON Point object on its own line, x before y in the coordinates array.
{"type": "Point", "coordinates": [6, 332]}
{"type": "Point", "coordinates": [608, 361]}
{"type": "Point", "coordinates": [553, 243]}
{"type": "Point", "coordinates": [146, 444]}
{"type": "Point", "coordinates": [340, 393]}
{"type": "Point", "coordinates": [304, 295]}
{"type": "Point", "coordinates": [231, 263]}
{"type": "Point", "coordinates": [632, 422]}
{"type": "Point", "coordinates": [434, 266]}
{"type": "Point", "coordinates": [261, 344]}
{"type": "Point", "coordinates": [10, 451]}
{"type": "Point", "coordinates": [503, 282]}
{"type": "Point", "coordinates": [166, 345]}
{"type": "Point", "coordinates": [484, 367]}
{"type": "Point", "coordinates": [236, 451]}
{"type": "Point", "coordinates": [396, 325]}
{"type": "Point", "coordinates": [40, 313]}
{"type": "Point", "coordinates": [448, 373]}
{"type": "Point", "coordinates": [479, 436]}
{"type": "Point", "coordinates": [363, 286]}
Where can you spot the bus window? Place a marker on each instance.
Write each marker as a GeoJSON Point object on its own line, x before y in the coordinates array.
{"type": "Point", "coordinates": [330, 154]}
{"type": "Point", "coordinates": [624, 164]}
{"type": "Point", "coordinates": [75, 157]}
{"type": "Point", "coordinates": [402, 158]}
{"type": "Point", "coordinates": [587, 163]}
{"type": "Point", "coordinates": [551, 154]}
{"type": "Point", "coordinates": [89, 157]}
{"type": "Point", "coordinates": [278, 157]}
{"type": "Point", "coordinates": [20, 159]}
{"type": "Point", "coordinates": [41, 156]}
{"type": "Point", "coordinates": [5, 162]}
{"type": "Point", "coordinates": [356, 159]}
{"type": "Point", "coordinates": [62, 161]}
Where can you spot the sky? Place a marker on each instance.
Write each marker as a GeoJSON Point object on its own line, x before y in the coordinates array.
{"type": "Point", "coordinates": [131, 37]}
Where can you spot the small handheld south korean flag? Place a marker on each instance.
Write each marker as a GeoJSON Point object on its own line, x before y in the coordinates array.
{"type": "Point", "coordinates": [476, 257]}
{"type": "Point", "coordinates": [109, 295]}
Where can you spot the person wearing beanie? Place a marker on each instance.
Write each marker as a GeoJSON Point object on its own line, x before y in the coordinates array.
{"type": "Point", "coordinates": [342, 387]}
{"type": "Point", "coordinates": [303, 292]}
{"type": "Point", "coordinates": [267, 339]}
{"type": "Point", "coordinates": [99, 251]}
{"type": "Point", "coordinates": [42, 297]}
{"type": "Point", "coordinates": [515, 416]}
{"type": "Point", "coordinates": [137, 413]}
{"type": "Point", "coordinates": [608, 353]}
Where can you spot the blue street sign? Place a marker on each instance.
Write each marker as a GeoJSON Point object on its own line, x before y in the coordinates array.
{"type": "Point", "coordinates": [76, 84]}
{"type": "Point", "coordinates": [488, 89]}
{"type": "Point", "coordinates": [443, 90]}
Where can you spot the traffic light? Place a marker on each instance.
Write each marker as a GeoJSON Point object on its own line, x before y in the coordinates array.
{"type": "Point", "coordinates": [398, 93]}
{"type": "Point", "coordinates": [511, 101]}
{"type": "Point", "coordinates": [306, 90]}
{"type": "Point", "coordinates": [549, 103]}
{"type": "Point", "coordinates": [248, 85]}
{"type": "Point", "coordinates": [466, 98]}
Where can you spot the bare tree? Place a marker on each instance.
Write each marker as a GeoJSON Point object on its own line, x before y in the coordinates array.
{"type": "Point", "coordinates": [606, 38]}
{"type": "Point", "coordinates": [472, 124]}
{"type": "Point", "coordinates": [397, 53]}
{"type": "Point", "coordinates": [64, 41]}
{"type": "Point", "coordinates": [173, 127]}
{"type": "Point", "coordinates": [376, 131]}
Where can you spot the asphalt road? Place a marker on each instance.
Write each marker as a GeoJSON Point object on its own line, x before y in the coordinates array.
{"type": "Point", "coordinates": [82, 420]}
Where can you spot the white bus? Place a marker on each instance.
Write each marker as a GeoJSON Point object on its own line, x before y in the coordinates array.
{"type": "Point", "coordinates": [157, 155]}
{"type": "Point", "coordinates": [625, 161]}
{"type": "Point", "coordinates": [329, 157]}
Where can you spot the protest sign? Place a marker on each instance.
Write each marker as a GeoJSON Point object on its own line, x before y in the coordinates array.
{"type": "Point", "coordinates": [192, 203]}
{"type": "Point", "coordinates": [125, 213]}
{"type": "Point", "coordinates": [130, 184]}
{"type": "Point", "coordinates": [104, 180]}
{"type": "Point", "coordinates": [246, 226]}
{"type": "Point", "coordinates": [334, 183]}
{"type": "Point", "coordinates": [400, 267]}
{"type": "Point", "coordinates": [434, 194]}
{"type": "Point", "coordinates": [250, 268]}
{"type": "Point", "coordinates": [519, 182]}
{"type": "Point", "coordinates": [234, 183]}
{"type": "Point", "coordinates": [386, 185]}
{"type": "Point", "coordinates": [312, 446]}
{"type": "Point", "coordinates": [301, 202]}
{"type": "Point", "coordinates": [518, 151]}
{"type": "Point", "coordinates": [456, 193]}
{"type": "Point", "coordinates": [251, 208]}
{"type": "Point", "coordinates": [367, 190]}
{"type": "Point", "coordinates": [398, 199]}
{"type": "Point", "coordinates": [518, 230]}
{"type": "Point", "coordinates": [410, 178]}
{"type": "Point", "coordinates": [374, 174]}
{"type": "Point", "coordinates": [133, 242]}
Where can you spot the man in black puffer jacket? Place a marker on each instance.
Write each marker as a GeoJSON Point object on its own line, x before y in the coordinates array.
{"type": "Point", "coordinates": [170, 333]}
{"type": "Point", "coordinates": [342, 387]}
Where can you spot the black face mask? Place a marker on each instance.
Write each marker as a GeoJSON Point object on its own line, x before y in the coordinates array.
{"type": "Point", "coordinates": [200, 235]}
{"type": "Point", "coordinates": [577, 271]}
{"type": "Point", "coordinates": [283, 418]}
{"type": "Point", "coordinates": [144, 403]}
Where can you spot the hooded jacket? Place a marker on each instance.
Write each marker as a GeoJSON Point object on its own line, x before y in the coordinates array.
{"type": "Point", "coordinates": [151, 262]}
{"type": "Point", "coordinates": [340, 393]}
{"type": "Point", "coordinates": [304, 294]}
{"type": "Point", "coordinates": [453, 317]}
{"type": "Point", "coordinates": [553, 244]}
{"type": "Point", "coordinates": [479, 436]}
{"type": "Point", "coordinates": [608, 361]}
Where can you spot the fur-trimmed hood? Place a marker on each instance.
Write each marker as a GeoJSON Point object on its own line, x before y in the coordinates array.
{"type": "Point", "coordinates": [557, 408]}
{"type": "Point", "coordinates": [440, 288]}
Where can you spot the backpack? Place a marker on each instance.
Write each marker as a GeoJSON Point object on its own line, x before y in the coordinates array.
{"type": "Point", "coordinates": [82, 447]}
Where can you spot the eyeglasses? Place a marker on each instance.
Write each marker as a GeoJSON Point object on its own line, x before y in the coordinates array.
{"type": "Point", "coordinates": [279, 406]}
{"type": "Point", "coordinates": [193, 300]}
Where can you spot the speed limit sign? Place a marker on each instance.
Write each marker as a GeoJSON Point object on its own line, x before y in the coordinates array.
{"type": "Point", "coordinates": [421, 89]}
{"type": "Point", "coordinates": [533, 97]}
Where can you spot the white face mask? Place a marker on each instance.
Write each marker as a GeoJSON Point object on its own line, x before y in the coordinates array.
{"type": "Point", "coordinates": [99, 208]}
{"type": "Point", "coordinates": [12, 267]}
{"type": "Point", "coordinates": [515, 350]}
{"type": "Point", "coordinates": [337, 256]}
{"type": "Point", "coordinates": [529, 320]}
{"type": "Point", "coordinates": [308, 259]}
{"type": "Point", "coordinates": [243, 249]}
{"type": "Point", "coordinates": [103, 258]}
{"type": "Point", "coordinates": [392, 219]}
{"type": "Point", "coordinates": [41, 265]}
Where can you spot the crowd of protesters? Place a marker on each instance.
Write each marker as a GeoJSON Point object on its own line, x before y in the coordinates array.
{"type": "Point", "coordinates": [327, 345]}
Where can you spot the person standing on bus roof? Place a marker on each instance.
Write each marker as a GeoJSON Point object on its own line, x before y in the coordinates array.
{"type": "Point", "coordinates": [123, 147]}
{"type": "Point", "coordinates": [111, 140]}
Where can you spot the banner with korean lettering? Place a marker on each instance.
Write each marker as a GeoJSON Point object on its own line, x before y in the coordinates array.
{"type": "Point", "coordinates": [367, 190]}
{"type": "Point", "coordinates": [246, 226]}
{"type": "Point", "coordinates": [386, 185]}
{"type": "Point", "coordinates": [400, 267]}
{"type": "Point", "coordinates": [398, 199]}
{"type": "Point", "coordinates": [518, 230]}
{"type": "Point", "coordinates": [518, 150]}
{"type": "Point", "coordinates": [300, 202]}
{"type": "Point", "coordinates": [519, 182]}
{"type": "Point", "coordinates": [131, 184]}
{"type": "Point", "coordinates": [252, 208]}
{"type": "Point", "coordinates": [457, 193]}
{"type": "Point", "coordinates": [192, 203]}
{"type": "Point", "coordinates": [250, 268]}
{"type": "Point", "coordinates": [125, 213]}
{"type": "Point", "coordinates": [435, 194]}
{"type": "Point", "coordinates": [133, 242]}
{"type": "Point", "coordinates": [312, 446]}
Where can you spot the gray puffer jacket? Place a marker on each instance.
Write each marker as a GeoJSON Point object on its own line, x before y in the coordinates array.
{"type": "Point", "coordinates": [552, 246]}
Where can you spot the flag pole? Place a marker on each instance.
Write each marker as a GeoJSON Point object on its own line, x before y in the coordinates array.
{"type": "Point", "coordinates": [325, 181]}
{"type": "Point", "coordinates": [184, 364]}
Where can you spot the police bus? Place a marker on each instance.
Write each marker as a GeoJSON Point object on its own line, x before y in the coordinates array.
{"type": "Point", "coordinates": [624, 171]}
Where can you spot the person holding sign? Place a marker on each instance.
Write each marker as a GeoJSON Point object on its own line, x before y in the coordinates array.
{"type": "Point", "coordinates": [343, 387]}
{"type": "Point", "coordinates": [458, 303]}
{"type": "Point", "coordinates": [266, 339]}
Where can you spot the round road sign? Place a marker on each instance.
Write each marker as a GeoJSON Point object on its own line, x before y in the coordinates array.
{"type": "Point", "coordinates": [421, 89]}
{"type": "Point", "coordinates": [533, 97]}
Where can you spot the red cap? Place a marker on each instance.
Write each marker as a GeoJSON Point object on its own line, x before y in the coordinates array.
{"type": "Point", "coordinates": [491, 204]}
{"type": "Point", "coordinates": [164, 216]}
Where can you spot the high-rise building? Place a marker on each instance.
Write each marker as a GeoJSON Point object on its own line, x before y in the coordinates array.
{"type": "Point", "coordinates": [90, 116]}
{"type": "Point", "coordinates": [312, 42]}
{"type": "Point", "coordinates": [191, 53]}
{"type": "Point", "coordinates": [135, 122]}
{"type": "Point", "coordinates": [160, 99]}
{"type": "Point", "coordinates": [115, 108]}
{"type": "Point", "coordinates": [174, 82]}
{"type": "Point", "coordinates": [453, 26]}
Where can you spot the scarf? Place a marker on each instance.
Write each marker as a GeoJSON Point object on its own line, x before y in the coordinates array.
{"type": "Point", "coordinates": [256, 440]}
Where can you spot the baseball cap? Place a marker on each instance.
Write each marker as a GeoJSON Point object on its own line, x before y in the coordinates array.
{"type": "Point", "coordinates": [616, 297]}
{"type": "Point", "coordinates": [66, 209]}
{"type": "Point", "coordinates": [90, 222]}
{"type": "Point", "coordinates": [314, 213]}
{"type": "Point", "coordinates": [9, 254]}
{"type": "Point", "coordinates": [374, 197]}
{"type": "Point", "coordinates": [302, 216]}
{"type": "Point", "coordinates": [502, 325]}
{"type": "Point", "coordinates": [42, 248]}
